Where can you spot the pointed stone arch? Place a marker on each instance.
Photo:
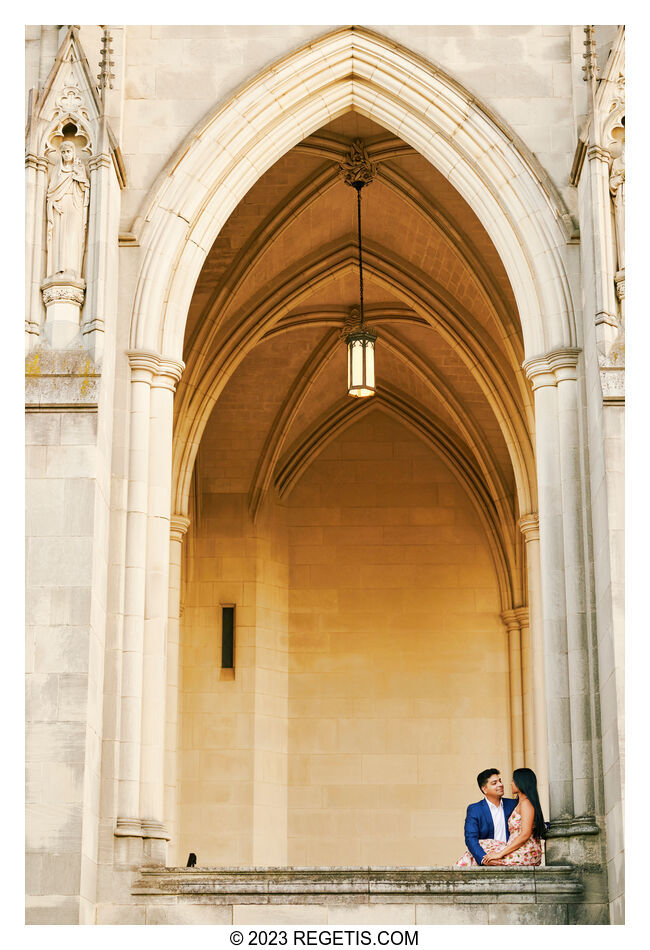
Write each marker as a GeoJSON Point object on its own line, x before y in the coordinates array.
{"type": "Point", "coordinates": [353, 69]}
{"type": "Point", "coordinates": [439, 438]}
{"type": "Point", "coordinates": [434, 305]}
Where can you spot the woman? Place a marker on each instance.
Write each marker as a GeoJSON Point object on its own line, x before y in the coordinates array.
{"type": "Point", "coordinates": [526, 828]}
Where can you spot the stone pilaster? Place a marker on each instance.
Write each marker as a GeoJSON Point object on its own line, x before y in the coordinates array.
{"type": "Point", "coordinates": [535, 730]}
{"type": "Point", "coordinates": [179, 525]}
{"type": "Point", "coordinates": [553, 590]}
{"type": "Point", "coordinates": [142, 736]}
{"type": "Point", "coordinates": [511, 620]}
{"type": "Point", "coordinates": [143, 368]}
{"type": "Point", "coordinates": [574, 831]}
{"type": "Point", "coordinates": [154, 679]}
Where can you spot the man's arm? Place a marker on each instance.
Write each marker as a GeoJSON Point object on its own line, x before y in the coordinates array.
{"type": "Point", "coordinates": [471, 837]}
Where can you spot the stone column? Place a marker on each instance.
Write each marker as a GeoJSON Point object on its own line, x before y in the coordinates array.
{"type": "Point", "coordinates": [556, 664]}
{"type": "Point", "coordinates": [603, 246]}
{"type": "Point", "coordinates": [178, 528]}
{"type": "Point", "coordinates": [103, 227]}
{"type": "Point", "coordinates": [143, 368]}
{"type": "Point", "coordinates": [535, 715]}
{"type": "Point", "coordinates": [573, 837]}
{"type": "Point", "coordinates": [35, 188]}
{"type": "Point", "coordinates": [154, 672]}
{"type": "Point", "coordinates": [511, 620]}
{"type": "Point", "coordinates": [564, 364]}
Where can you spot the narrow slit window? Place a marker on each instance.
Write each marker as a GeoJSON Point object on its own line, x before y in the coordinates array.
{"type": "Point", "coordinates": [227, 636]}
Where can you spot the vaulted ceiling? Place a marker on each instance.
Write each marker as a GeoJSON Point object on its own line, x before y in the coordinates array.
{"type": "Point", "coordinates": [266, 366]}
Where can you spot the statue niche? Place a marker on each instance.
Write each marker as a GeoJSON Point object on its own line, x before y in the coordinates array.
{"type": "Point", "coordinates": [67, 200]}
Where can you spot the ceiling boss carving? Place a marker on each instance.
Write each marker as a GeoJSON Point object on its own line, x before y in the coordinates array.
{"type": "Point", "coordinates": [356, 166]}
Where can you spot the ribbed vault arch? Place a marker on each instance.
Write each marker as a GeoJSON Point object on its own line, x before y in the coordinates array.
{"type": "Point", "coordinates": [420, 292]}
{"type": "Point", "coordinates": [475, 442]}
{"type": "Point", "coordinates": [439, 439]}
{"type": "Point", "coordinates": [352, 69]}
{"type": "Point", "coordinates": [288, 211]}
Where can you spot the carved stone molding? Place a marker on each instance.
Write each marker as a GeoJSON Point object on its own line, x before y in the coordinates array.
{"type": "Point", "coordinates": [529, 526]}
{"type": "Point", "coordinates": [603, 317]}
{"type": "Point", "coordinates": [523, 616]}
{"type": "Point", "coordinates": [570, 827]}
{"type": "Point", "coordinates": [63, 289]}
{"type": "Point", "coordinates": [598, 153]}
{"type": "Point", "coordinates": [154, 829]}
{"type": "Point", "coordinates": [36, 162]}
{"type": "Point", "coordinates": [511, 620]}
{"type": "Point", "coordinates": [128, 828]}
{"type": "Point", "coordinates": [161, 372]}
{"type": "Point", "coordinates": [140, 828]}
{"type": "Point", "coordinates": [169, 373]}
{"type": "Point", "coordinates": [178, 526]}
{"type": "Point", "coordinates": [143, 366]}
{"type": "Point", "coordinates": [619, 281]}
{"type": "Point", "coordinates": [552, 368]}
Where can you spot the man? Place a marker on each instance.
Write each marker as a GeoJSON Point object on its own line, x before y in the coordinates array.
{"type": "Point", "coordinates": [489, 817]}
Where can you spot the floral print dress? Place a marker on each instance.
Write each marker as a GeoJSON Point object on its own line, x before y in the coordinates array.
{"type": "Point", "coordinates": [530, 852]}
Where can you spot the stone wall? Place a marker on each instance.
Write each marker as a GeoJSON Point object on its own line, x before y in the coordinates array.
{"type": "Point", "coordinates": [65, 604]}
{"type": "Point", "coordinates": [378, 694]}
{"type": "Point", "coordinates": [247, 730]}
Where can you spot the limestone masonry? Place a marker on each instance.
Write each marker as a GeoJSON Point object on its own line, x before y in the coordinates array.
{"type": "Point", "coordinates": [422, 583]}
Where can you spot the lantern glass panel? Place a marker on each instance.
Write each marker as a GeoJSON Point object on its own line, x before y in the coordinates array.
{"type": "Point", "coordinates": [361, 368]}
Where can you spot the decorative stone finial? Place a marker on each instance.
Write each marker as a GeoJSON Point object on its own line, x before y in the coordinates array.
{"type": "Point", "coordinates": [105, 75]}
{"type": "Point", "coordinates": [590, 69]}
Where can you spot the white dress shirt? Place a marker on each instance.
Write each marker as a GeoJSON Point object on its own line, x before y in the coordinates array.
{"type": "Point", "coordinates": [499, 819]}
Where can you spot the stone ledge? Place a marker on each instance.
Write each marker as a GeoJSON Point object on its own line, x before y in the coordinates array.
{"type": "Point", "coordinates": [269, 885]}
{"type": "Point", "coordinates": [61, 379]}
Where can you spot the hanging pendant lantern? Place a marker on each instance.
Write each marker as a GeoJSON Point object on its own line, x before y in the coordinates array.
{"type": "Point", "coordinates": [361, 362]}
{"type": "Point", "coordinates": [358, 171]}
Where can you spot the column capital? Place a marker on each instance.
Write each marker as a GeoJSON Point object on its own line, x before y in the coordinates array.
{"type": "Point", "coordinates": [169, 373]}
{"type": "Point", "coordinates": [600, 154]}
{"type": "Point", "coordinates": [550, 368]}
{"type": "Point", "coordinates": [163, 373]}
{"type": "Point", "coordinates": [143, 363]}
{"type": "Point", "coordinates": [178, 525]}
{"type": "Point", "coordinates": [511, 620]}
{"type": "Point", "coordinates": [36, 161]}
{"type": "Point", "coordinates": [529, 526]}
{"type": "Point", "coordinates": [523, 616]}
{"type": "Point", "coordinates": [99, 160]}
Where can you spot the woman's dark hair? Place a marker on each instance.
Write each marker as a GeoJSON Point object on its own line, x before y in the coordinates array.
{"type": "Point", "coordinates": [526, 782]}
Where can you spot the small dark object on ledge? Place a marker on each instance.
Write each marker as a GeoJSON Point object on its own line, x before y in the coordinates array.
{"type": "Point", "coordinates": [191, 861]}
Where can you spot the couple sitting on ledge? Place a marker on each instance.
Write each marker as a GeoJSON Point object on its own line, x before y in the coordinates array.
{"type": "Point", "coordinates": [504, 831]}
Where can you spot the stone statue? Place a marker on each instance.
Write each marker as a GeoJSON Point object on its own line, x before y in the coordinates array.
{"type": "Point", "coordinates": [617, 190]}
{"type": "Point", "coordinates": [68, 195]}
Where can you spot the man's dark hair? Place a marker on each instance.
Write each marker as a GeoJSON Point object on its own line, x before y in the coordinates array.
{"type": "Point", "coordinates": [483, 776]}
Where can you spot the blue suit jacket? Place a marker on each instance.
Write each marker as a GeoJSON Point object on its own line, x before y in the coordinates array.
{"type": "Point", "coordinates": [479, 824]}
